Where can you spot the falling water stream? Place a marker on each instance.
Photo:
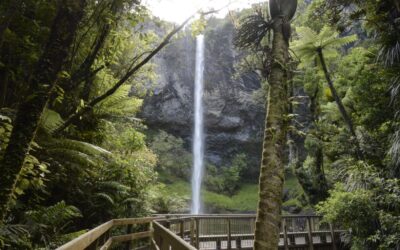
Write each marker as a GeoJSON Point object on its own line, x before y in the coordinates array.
{"type": "Point", "coordinates": [198, 136]}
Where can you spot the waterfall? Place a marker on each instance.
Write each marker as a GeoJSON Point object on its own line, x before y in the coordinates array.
{"type": "Point", "coordinates": [198, 136]}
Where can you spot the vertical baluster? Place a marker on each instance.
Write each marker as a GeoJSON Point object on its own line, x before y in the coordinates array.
{"type": "Point", "coordinates": [285, 242]}
{"type": "Point", "coordinates": [157, 235]}
{"type": "Point", "coordinates": [152, 237]}
{"type": "Point", "coordinates": [229, 235]}
{"type": "Point", "coordinates": [310, 238]}
{"type": "Point", "coordinates": [128, 245]}
{"type": "Point", "coordinates": [238, 243]}
{"type": "Point", "coordinates": [218, 243]}
{"type": "Point", "coordinates": [198, 233]}
{"type": "Point", "coordinates": [192, 231]}
{"type": "Point", "coordinates": [332, 236]}
{"type": "Point", "coordinates": [182, 229]}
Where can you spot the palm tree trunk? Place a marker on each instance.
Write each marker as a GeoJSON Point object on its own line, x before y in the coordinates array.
{"type": "Point", "coordinates": [339, 103]}
{"type": "Point", "coordinates": [43, 81]}
{"type": "Point", "coordinates": [272, 169]}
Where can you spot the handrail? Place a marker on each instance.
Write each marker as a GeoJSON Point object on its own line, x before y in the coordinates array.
{"type": "Point", "coordinates": [175, 231]}
{"type": "Point", "coordinates": [232, 215]}
{"type": "Point", "coordinates": [165, 239]}
{"type": "Point", "coordinates": [87, 239]}
{"type": "Point", "coordinates": [232, 231]}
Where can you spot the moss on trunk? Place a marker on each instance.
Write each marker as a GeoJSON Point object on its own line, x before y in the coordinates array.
{"type": "Point", "coordinates": [272, 169]}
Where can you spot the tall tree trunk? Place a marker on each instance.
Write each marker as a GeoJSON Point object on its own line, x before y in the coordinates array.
{"type": "Point", "coordinates": [339, 103]}
{"type": "Point", "coordinates": [4, 87]}
{"type": "Point", "coordinates": [4, 75]}
{"type": "Point", "coordinates": [43, 81]}
{"type": "Point", "coordinates": [272, 169]}
{"type": "Point", "coordinates": [6, 19]}
{"type": "Point", "coordinates": [319, 180]}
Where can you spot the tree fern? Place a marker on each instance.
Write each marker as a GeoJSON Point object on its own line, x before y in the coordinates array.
{"type": "Point", "coordinates": [309, 42]}
{"type": "Point", "coordinates": [311, 48]}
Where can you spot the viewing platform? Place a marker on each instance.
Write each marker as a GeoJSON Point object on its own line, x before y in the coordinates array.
{"type": "Point", "coordinates": [206, 232]}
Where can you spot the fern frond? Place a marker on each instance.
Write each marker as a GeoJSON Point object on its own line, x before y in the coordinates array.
{"type": "Point", "coordinates": [50, 120]}
{"type": "Point", "coordinates": [252, 31]}
{"type": "Point", "coordinates": [327, 40]}
{"type": "Point", "coordinates": [14, 234]}
{"type": "Point", "coordinates": [339, 42]}
{"type": "Point", "coordinates": [64, 238]}
{"type": "Point", "coordinates": [58, 214]}
{"type": "Point", "coordinates": [331, 112]}
{"type": "Point", "coordinates": [105, 197]}
{"type": "Point", "coordinates": [72, 156]}
{"type": "Point", "coordinates": [306, 34]}
{"type": "Point", "coordinates": [327, 33]}
{"type": "Point", "coordinates": [131, 200]}
{"type": "Point", "coordinates": [80, 146]}
{"type": "Point", "coordinates": [114, 186]}
{"type": "Point", "coordinates": [119, 104]}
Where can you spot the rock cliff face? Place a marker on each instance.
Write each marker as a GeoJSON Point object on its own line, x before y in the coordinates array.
{"type": "Point", "coordinates": [233, 120]}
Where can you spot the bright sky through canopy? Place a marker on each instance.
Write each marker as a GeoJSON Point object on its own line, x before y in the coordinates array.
{"type": "Point", "coordinates": [178, 10]}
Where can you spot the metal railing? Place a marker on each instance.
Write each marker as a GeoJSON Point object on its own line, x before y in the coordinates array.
{"type": "Point", "coordinates": [207, 232]}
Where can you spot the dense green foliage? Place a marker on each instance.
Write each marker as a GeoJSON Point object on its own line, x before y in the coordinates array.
{"type": "Point", "coordinates": [363, 192]}
{"type": "Point", "coordinates": [345, 155]}
{"type": "Point", "coordinates": [99, 166]}
{"type": "Point", "coordinates": [91, 159]}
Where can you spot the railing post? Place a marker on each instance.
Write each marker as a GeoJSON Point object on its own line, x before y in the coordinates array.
{"type": "Point", "coordinates": [106, 236]}
{"type": "Point", "coordinates": [218, 244]}
{"type": "Point", "coordinates": [128, 244]}
{"type": "Point", "coordinates": [182, 229]}
{"type": "Point", "coordinates": [238, 243]}
{"type": "Point", "coordinates": [192, 231]}
{"type": "Point", "coordinates": [229, 243]}
{"type": "Point", "coordinates": [285, 243]}
{"type": "Point", "coordinates": [152, 238]}
{"type": "Point", "coordinates": [157, 235]}
{"type": "Point", "coordinates": [198, 233]}
{"type": "Point", "coordinates": [310, 237]}
{"type": "Point", "coordinates": [332, 236]}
